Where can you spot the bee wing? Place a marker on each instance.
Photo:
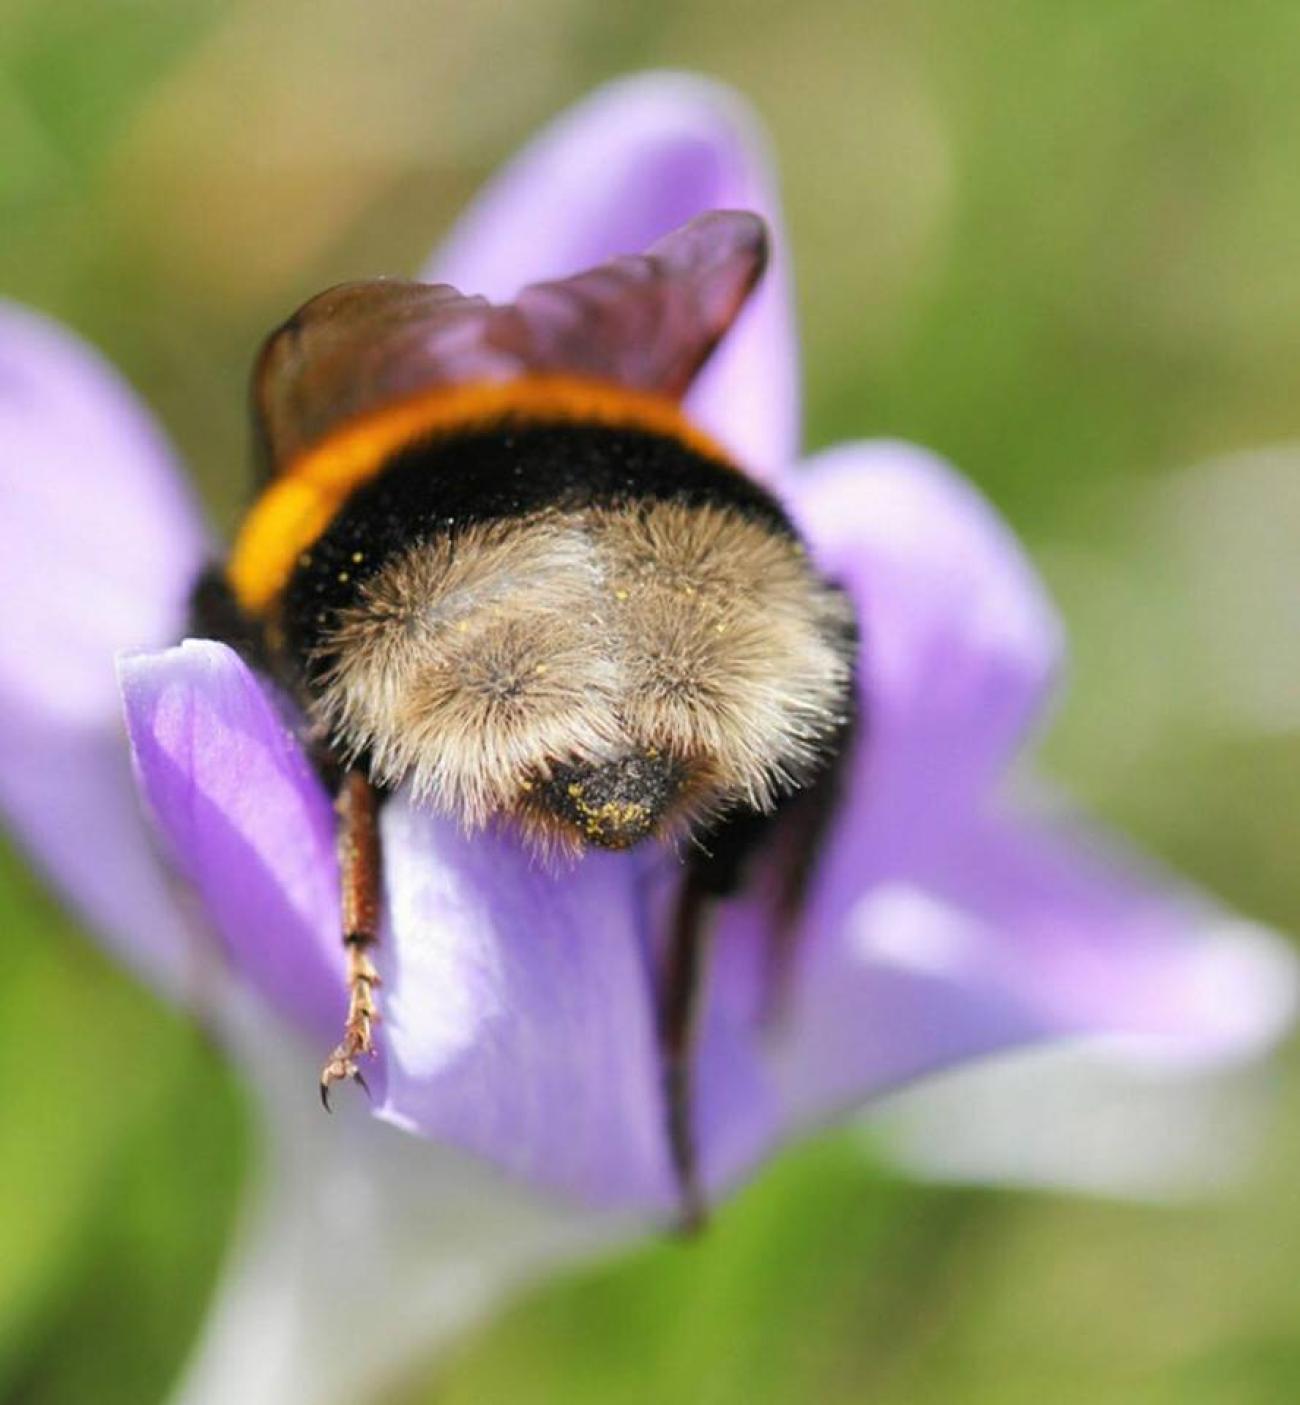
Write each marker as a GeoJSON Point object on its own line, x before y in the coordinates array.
{"type": "Point", "coordinates": [350, 349]}
{"type": "Point", "coordinates": [647, 321]}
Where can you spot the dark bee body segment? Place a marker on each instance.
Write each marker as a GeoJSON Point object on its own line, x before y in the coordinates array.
{"type": "Point", "coordinates": [215, 613]}
{"type": "Point", "coordinates": [618, 804]}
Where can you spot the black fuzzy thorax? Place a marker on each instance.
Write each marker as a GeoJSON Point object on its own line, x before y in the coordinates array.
{"type": "Point", "coordinates": [435, 489]}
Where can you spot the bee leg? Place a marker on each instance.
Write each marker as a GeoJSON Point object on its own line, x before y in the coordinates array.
{"type": "Point", "coordinates": [357, 805]}
{"type": "Point", "coordinates": [780, 850]}
{"type": "Point", "coordinates": [800, 835]}
{"type": "Point", "coordinates": [683, 984]}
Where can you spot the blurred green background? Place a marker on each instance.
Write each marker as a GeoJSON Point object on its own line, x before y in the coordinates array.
{"type": "Point", "coordinates": [1057, 240]}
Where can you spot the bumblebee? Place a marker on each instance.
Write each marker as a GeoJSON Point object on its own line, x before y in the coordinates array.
{"type": "Point", "coordinates": [493, 561]}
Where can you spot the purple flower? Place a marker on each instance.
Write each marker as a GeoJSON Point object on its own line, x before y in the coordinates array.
{"type": "Point", "coordinates": [944, 921]}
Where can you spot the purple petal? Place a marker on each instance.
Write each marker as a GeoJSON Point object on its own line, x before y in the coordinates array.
{"type": "Point", "coordinates": [245, 821]}
{"type": "Point", "coordinates": [1010, 933]}
{"type": "Point", "coordinates": [663, 148]}
{"type": "Point", "coordinates": [518, 1015]}
{"type": "Point", "coordinates": [960, 645]}
{"type": "Point", "coordinates": [520, 1018]}
{"type": "Point", "coordinates": [933, 934]}
{"type": "Point", "coordinates": [100, 543]}
{"type": "Point", "coordinates": [68, 796]}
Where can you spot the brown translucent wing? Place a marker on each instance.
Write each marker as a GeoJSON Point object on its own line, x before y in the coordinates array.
{"type": "Point", "coordinates": [647, 321]}
{"type": "Point", "coordinates": [348, 350]}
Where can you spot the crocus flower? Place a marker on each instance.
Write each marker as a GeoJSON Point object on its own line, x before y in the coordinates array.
{"type": "Point", "coordinates": [944, 921]}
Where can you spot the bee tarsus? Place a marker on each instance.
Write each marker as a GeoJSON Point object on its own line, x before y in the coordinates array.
{"type": "Point", "coordinates": [357, 806]}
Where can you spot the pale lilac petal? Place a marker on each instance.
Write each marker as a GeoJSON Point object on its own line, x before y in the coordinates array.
{"type": "Point", "coordinates": [519, 1018]}
{"type": "Point", "coordinates": [517, 1009]}
{"type": "Point", "coordinates": [99, 543]}
{"type": "Point", "coordinates": [245, 821]}
{"type": "Point", "coordinates": [736, 1109]}
{"type": "Point", "coordinates": [1008, 933]}
{"type": "Point", "coordinates": [421, 1240]}
{"type": "Point", "coordinates": [1117, 947]}
{"type": "Point", "coordinates": [638, 158]}
{"type": "Point", "coordinates": [101, 537]}
{"type": "Point", "coordinates": [68, 796]}
{"type": "Point", "coordinates": [960, 644]}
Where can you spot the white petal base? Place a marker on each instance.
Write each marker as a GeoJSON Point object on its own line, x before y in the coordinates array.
{"type": "Point", "coordinates": [1103, 1117]}
{"type": "Point", "coordinates": [363, 1250]}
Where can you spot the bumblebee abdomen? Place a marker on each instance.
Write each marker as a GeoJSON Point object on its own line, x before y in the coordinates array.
{"type": "Point", "coordinates": [514, 471]}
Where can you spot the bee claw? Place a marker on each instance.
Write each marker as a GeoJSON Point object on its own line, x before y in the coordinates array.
{"type": "Point", "coordinates": [342, 1066]}
{"type": "Point", "coordinates": [358, 1030]}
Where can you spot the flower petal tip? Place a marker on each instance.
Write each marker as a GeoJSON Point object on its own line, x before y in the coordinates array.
{"type": "Point", "coordinates": [1246, 979]}
{"type": "Point", "coordinates": [669, 146]}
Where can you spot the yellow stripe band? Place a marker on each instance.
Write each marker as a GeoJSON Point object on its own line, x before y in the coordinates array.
{"type": "Point", "coordinates": [300, 503]}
